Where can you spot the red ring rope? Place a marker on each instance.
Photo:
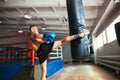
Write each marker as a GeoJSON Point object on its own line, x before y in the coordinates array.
{"type": "Point", "coordinates": [29, 53]}
{"type": "Point", "coordinates": [25, 50]}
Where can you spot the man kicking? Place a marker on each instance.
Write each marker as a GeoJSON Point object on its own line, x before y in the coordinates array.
{"type": "Point", "coordinates": [43, 44]}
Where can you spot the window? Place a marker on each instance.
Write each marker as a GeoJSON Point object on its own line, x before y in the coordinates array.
{"type": "Point", "coordinates": [100, 40]}
{"type": "Point", "coordinates": [111, 35]}
{"type": "Point", "coordinates": [104, 37]}
{"type": "Point", "coordinates": [108, 35]}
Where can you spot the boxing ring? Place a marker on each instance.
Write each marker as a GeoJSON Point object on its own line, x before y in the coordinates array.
{"type": "Point", "coordinates": [15, 54]}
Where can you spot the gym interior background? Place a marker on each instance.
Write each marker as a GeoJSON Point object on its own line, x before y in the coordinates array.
{"type": "Point", "coordinates": [102, 19]}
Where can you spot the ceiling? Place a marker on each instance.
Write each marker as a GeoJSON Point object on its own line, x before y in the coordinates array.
{"type": "Point", "coordinates": [49, 14]}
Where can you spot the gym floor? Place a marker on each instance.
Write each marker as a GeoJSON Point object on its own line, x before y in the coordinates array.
{"type": "Point", "coordinates": [84, 71]}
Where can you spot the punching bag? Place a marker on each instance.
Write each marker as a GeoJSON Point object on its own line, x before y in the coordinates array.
{"type": "Point", "coordinates": [79, 47]}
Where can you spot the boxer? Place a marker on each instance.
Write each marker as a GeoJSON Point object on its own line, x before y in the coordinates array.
{"type": "Point", "coordinates": [43, 44]}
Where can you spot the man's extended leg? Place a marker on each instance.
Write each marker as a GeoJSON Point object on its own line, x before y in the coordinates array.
{"type": "Point", "coordinates": [69, 38]}
{"type": "Point", "coordinates": [43, 69]}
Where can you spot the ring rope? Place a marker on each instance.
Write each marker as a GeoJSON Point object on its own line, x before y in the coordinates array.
{"type": "Point", "coordinates": [29, 52]}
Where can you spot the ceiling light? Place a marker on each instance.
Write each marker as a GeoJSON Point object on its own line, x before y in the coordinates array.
{"type": "Point", "coordinates": [0, 21]}
{"type": "Point", "coordinates": [43, 28]}
{"type": "Point", "coordinates": [28, 16]}
{"type": "Point", "coordinates": [20, 31]}
{"type": "Point", "coordinates": [64, 19]}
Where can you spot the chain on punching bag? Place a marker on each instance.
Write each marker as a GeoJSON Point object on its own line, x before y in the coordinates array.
{"type": "Point", "coordinates": [79, 47]}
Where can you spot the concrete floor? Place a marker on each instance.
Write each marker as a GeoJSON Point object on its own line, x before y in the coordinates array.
{"type": "Point", "coordinates": [84, 72]}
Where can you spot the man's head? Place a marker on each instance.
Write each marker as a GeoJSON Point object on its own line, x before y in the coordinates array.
{"type": "Point", "coordinates": [34, 28]}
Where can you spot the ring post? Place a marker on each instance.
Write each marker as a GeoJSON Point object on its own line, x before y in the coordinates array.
{"type": "Point", "coordinates": [32, 58]}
